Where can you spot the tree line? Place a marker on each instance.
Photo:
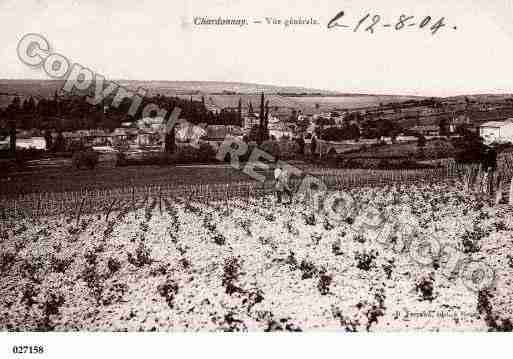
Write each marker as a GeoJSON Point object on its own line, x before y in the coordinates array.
{"type": "Point", "coordinates": [73, 112]}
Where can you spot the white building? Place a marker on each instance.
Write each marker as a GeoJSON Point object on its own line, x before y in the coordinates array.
{"type": "Point", "coordinates": [188, 132]}
{"type": "Point", "coordinates": [278, 130]}
{"type": "Point", "coordinates": [155, 123]}
{"type": "Point", "coordinates": [37, 143]}
{"type": "Point", "coordinates": [5, 143]}
{"type": "Point", "coordinates": [497, 131]}
{"type": "Point", "coordinates": [249, 121]}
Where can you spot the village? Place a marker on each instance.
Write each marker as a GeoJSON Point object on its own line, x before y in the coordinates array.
{"type": "Point", "coordinates": [314, 132]}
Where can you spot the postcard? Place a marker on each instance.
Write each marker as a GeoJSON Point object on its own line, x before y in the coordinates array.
{"type": "Point", "coordinates": [241, 166]}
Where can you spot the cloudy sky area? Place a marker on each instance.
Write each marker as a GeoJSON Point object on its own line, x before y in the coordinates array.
{"type": "Point", "coordinates": [156, 40]}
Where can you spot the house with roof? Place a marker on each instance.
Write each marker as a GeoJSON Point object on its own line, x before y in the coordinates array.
{"type": "Point", "coordinates": [188, 132]}
{"type": "Point", "coordinates": [213, 108]}
{"type": "Point", "coordinates": [251, 120]}
{"type": "Point", "coordinates": [235, 131]}
{"type": "Point", "coordinates": [5, 142]}
{"type": "Point", "coordinates": [126, 136]}
{"type": "Point", "coordinates": [281, 129]}
{"type": "Point", "coordinates": [38, 143]}
{"type": "Point", "coordinates": [497, 131]}
{"type": "Point", "coordinates": [216, 134]}
{"type": "Point", "coordinates": [426, 130]}
{"type": "Point", "coordinates": [147, 138]}
{"type": "Point", "coordinates": [151, 123]}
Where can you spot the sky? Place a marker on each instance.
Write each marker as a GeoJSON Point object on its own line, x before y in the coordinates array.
{"type": "Point", "coordinates": [157, 40]}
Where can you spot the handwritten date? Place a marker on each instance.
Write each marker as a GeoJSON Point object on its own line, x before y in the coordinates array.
{"type": "Point", "coordinates": [371, 23]}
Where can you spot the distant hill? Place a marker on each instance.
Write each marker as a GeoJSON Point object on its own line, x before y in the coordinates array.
{"type": "Point", "coordinates": [214, 87]}
{"type": "Point", "coordinates": [227, 94]}
{"type": "Point", "coordinates": [482, 97]}
{"type": "Point", "coordinates": [221, 94]}
{"type": "Point", "coordinates": [45, 87]}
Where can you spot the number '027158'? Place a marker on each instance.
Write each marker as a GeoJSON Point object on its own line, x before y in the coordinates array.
{"type": "Point", "coordinates": [28, 349]}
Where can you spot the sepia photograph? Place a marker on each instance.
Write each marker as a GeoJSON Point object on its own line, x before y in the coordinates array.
{"type": "Point", "coordinates": [272, 166]}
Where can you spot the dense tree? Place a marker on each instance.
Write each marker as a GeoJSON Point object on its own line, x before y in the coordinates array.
{"type": "Point", "coordinates": [239, 112]}
{"type": "Point", "coordinates": [346, 132]}
{"type": "Point", "coordinates": [324, 121]}
{"type": "Point", "coordinates": [72, 112]}
{"type": "Point", "coordinates": [293, 115]}
{"type": "Point", "coordinates": [421, 141]}
{"type": "Point", "coordinates": [301, 145]}
{"type": "Point", "coordinates": [313, 145]}
{"type": "Point", "coordinates": [48, 140]}
{"type": "Point", "coordinates": [444, 127]}
{"type": "Point", "coordinates": [386, 128]}
{"type": "Point", "coordinates": [255, 135]}
{"type": "Point", "coordinates": [15, 105]}
{"type": "Point", "coordinates": [353, 117]}
{"type": "Point", "coordinates": [303, 125]}
{"type": "Point", "coordinates": [263, 132]}
{"type": "Point", "coordinates": [60, 143]}
{"type": "Point", "coordinates": [271, 147]}
{"type": "Point", "coordinates": [169, 141]}
{"type": "Point", "coordinates": [12, 133]}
